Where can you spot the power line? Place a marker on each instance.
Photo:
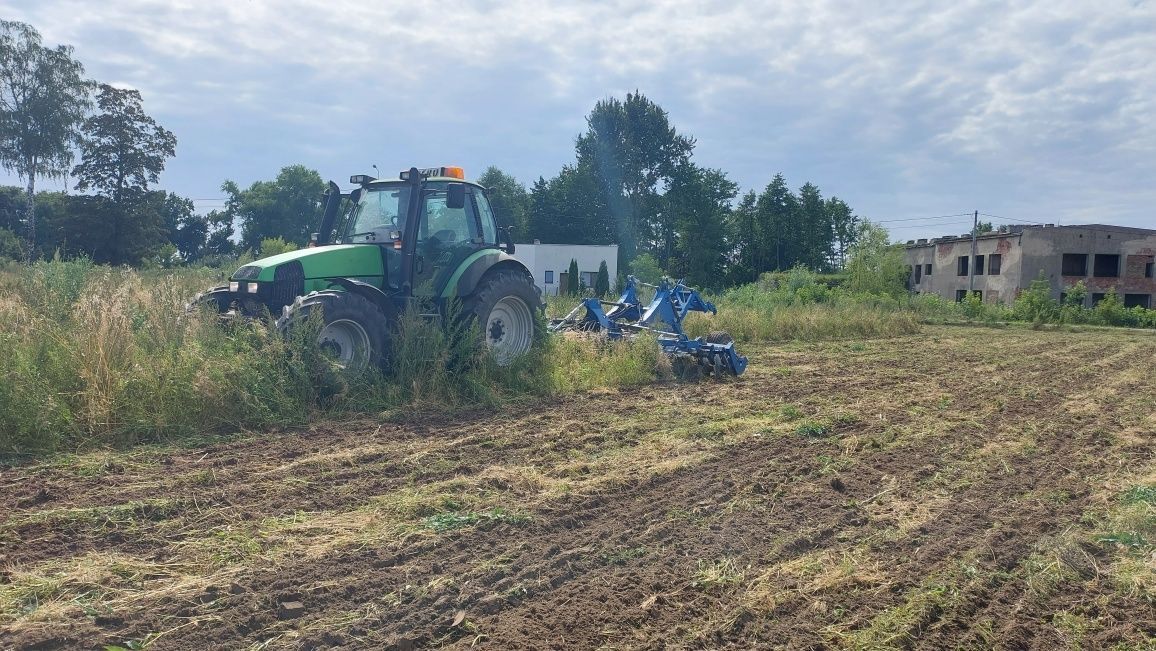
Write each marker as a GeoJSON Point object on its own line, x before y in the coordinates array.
{"type": "Point", "coordinates": [1014, 219]}
{"type": "Point", "coordinates": [899, 228]}
{"type": "Point", "coordinates": [912, 219]}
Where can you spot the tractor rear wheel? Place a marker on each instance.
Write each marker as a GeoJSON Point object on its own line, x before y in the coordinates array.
{"type": "Point", "coordinates": [354, 332]}
{"type": "Point", "coordinates": [504, 306]}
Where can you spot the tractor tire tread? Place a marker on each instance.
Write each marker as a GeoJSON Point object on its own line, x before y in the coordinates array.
{"type": "Point", "coordinates": [345, 305]}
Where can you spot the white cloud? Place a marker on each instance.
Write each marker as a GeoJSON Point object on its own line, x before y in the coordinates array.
{"type": "Point", "coordinates": [901, 107]}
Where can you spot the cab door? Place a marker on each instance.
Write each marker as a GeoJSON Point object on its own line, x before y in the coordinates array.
{"type": "Point", "coordinates": [445, 237]}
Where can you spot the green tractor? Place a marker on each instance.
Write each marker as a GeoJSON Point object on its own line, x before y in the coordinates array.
{"type": "Point", "coordinates": [427, 240]}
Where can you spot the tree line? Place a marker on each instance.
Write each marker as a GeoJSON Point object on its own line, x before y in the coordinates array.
{"type": "Point", "coordinates": [633, 182]}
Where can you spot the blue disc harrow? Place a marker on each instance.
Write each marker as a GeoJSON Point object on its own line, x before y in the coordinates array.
{"type": "Point", "coordinates": [662, 318]}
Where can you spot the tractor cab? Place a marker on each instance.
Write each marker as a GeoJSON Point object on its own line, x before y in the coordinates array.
{"type": "Point", "coordinates": [426, 222]}
{"type": "Point", "coordinates": [426, 240]}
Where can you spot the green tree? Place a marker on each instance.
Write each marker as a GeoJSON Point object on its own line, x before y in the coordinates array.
{"type": "Point", "coordinates": [10, 246]}
{"type": "Point", "coordinates": [699, 202]}
{"type": "Point", "coordinates": [288, 207]}
{"type": "Point", "coordinates": [43, 98]}
{"type": "Point", "coordinates": [602, 282]}
{"type": "Point", "coordinates": [743, 240]}
{"type": "Point", "coordinates": [984, 227]}
{"type": "Point", "coordinates": [220, 233]}
{"type": "Point", "coordinates": [572, 279]}
{"type": "Point", "coordinates": [845, 229]}
{"type": "Point", "coordinates": [122, 148]}
{"type": "Point", "coordinates": [875, 265]}
{"type": "Point", "coordinates": [184, 228]}
{"type": "Point", "coordinates": [778, 225]}
{"type": "Point", "coordinates": [509, 200]}
{"type": "Point", "coordinates": [12, 206]}
{"type": "Point", "coordinates": [99, 229]}
{"type": "Point", "coordinates": [646, 268]}
{"type": "Point", "coordinates": [634, 150]}
{"type": "Point", "coordinates": [570, 208]}
{"type": "Point", "coordinates": [815, 230]}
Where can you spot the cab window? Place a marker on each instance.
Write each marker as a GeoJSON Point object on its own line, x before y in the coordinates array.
{"type": "Point", "coordinates": [486, 217]}
{"type": "Point", "coordinates": [443, 227]}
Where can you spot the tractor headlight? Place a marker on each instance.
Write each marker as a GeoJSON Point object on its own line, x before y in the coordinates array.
{"type": "Point", "coordinates": [252, 288]}
{"type": "Point", "coordinates": [234, 286]}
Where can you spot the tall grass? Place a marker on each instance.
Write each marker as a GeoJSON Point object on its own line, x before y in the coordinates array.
{"type": "Point", "coordinates": [793, 305]}
{"type": "Point", "coordinates": [96, 355]}
{"type": "Point", "coordinates": [99, 356]}
{"type": "Point", "coordinates": [800, 305]}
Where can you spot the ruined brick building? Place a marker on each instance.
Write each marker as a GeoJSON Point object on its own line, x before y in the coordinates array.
{"type": "Point", "coordinates": [1008, 260]}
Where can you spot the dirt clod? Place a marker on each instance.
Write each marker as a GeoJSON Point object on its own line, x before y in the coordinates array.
{"type": "Point", "coordinates": [290, 610]}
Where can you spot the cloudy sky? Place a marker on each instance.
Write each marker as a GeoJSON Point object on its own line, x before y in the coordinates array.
{"type": "Point", "coordinates": [1040, 111]}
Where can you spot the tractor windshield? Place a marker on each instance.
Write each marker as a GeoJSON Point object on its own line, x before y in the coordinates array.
{"type": "Point", "coordinates": [378, 214]}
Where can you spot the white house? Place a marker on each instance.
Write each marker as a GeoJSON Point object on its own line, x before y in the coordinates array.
{"type": "Point", "coordinates": [550, 263]}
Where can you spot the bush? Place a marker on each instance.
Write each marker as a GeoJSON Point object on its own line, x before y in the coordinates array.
{"type": "Point", "coordinates": [646, 268]}
{"type": "Point", "coordinates": [272, 246]}
{"type": "Point", "coordinates": [11, 247]}
{"type": "Point", "coordinates": [1036, 304]}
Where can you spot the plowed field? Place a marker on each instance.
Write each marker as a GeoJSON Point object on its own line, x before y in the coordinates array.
{"type": "Point", "coordinates": [965, 487]}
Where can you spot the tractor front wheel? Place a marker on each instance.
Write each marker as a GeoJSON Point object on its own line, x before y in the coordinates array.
{"type": "Point", "coordinates": [504, 306]}
{"type": "Point", "coordinates": [217, 298]}
{"type": "Point", "coordinates": [353, 331]}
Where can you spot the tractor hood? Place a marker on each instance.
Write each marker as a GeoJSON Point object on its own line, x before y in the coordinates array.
{"type": "Point", "coordinates": [335, 261]}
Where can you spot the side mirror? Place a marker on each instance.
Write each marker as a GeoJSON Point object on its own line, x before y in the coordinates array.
{"type": "Point", "coordinates": [509, 240]}
{"type": "Point", "coordinates": [455, 196]}
{"type": "Point", "coordinates": [355, 195]}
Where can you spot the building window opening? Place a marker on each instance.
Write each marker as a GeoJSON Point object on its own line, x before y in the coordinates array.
{"type": "Point", "coordinates": [1147, 270]}
{"type": "Point", "coordinates": [979, 265]}
{"type": "Point", "coordinates": [961, 295]}
{"type": "Point", "coordinates": [588, 278]}
{"type": "Point", "coordinates": [549, 277]}
{"type": "Point", "coordinates": [1138, 300]}
{"type": "Point", "coordinates": [1106, 266]}
{"type": "Point", "coordinates": [961, 266]}
{"type": "Point", "coordinates": [1096, 298]}
{"type": "Point", "coordinates": [1075, 264]}
{"type": "Point", "coordinates": [994, 262]}
{"type": "Point", "coordinates": [927, 269]}
{"type": "Point", "coordinates": [918, 273]}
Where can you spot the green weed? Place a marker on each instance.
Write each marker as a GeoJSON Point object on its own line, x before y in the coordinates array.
{"type": "Point", "coordinates": [790, 412]}
{"type": "Point", "coordinates": [450, 520]}
{"type": "Point", "coordinates": [621, 556]}
{"type": "Point", "coordinates": [813, 428]}
{"type": "Point", "coordinates": [1139, 495]}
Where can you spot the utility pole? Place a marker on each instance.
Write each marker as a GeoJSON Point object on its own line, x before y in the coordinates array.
{"type": "Point", "coordinates": [971, 262]}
